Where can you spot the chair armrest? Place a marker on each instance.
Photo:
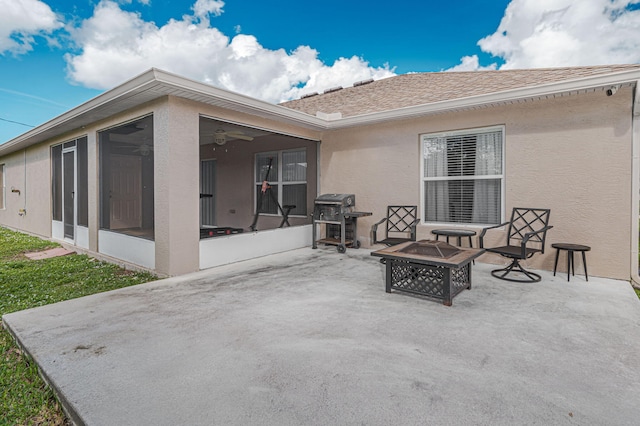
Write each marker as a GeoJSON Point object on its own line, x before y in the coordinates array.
{"type": "Point", "coordinates": [528, 235]}
{"type": "Point", "coordinates": [484, 231]}
{"type": "Point", "coordinates": [374, 230]}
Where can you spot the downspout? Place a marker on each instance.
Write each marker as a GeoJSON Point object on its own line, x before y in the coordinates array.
{"type": "Point", "coordinates": [635, 184]}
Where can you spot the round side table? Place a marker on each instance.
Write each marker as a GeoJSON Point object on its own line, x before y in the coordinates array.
{"type": "Point", "coordinates": [570, 249]}
{"type": "Point", "coordinates": [458, 233]}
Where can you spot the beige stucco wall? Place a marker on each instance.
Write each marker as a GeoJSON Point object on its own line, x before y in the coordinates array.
{"type": "Point", "coordinates": [26, 171]}
{"type": "Point", "coordinates": [570, 154]}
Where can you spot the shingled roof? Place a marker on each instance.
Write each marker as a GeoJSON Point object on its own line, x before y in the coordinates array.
{"type": "Point", "coordinates": [425, 88]}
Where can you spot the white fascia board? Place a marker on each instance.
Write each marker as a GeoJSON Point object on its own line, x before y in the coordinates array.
{"type": "Point", "coordinates": [552, 89]}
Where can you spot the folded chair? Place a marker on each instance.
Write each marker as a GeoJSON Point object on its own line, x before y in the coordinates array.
{"type": "Point", "coordinates": [400, 226]}
{"type": "Point", "coordinates": [525, 237]}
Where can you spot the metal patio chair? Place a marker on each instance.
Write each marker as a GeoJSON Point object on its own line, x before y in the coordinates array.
{"type": "Point", "coordinates": [400, 226]}
{"type": "Point", "coordinates": [526, 236]}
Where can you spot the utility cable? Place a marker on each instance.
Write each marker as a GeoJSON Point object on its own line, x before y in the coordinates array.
{"type": "Point", "coordinates": [16, 122]}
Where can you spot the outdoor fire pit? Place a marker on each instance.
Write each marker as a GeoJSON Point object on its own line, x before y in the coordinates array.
{"type": "Point", "coordinates": [428, 268]}
{"type": "Point", "coordinates": [437, 249]}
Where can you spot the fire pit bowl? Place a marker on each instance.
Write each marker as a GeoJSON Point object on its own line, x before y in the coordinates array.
{"type": "Point", "coordinates": [438, 249]}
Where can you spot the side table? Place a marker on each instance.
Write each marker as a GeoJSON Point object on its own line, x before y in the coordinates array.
{"type": "Point", "coordinates": [570, 249]}
{"type": "Point", "coordinates": [458, 233]}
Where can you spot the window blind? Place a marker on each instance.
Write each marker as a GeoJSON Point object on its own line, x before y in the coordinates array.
{"type": "Point", "coordinates": [462, 180]}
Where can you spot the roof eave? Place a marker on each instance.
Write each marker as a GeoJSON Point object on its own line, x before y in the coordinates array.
{"type": "Point", "coordinates": [150, 85]}
{"type": "Point", "coordinates": [556, 89]}
{"type": "Point", "coordinates": [154, 84]}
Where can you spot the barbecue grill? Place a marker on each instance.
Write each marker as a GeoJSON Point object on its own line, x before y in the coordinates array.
{"type": "Point", "coordinates": [337, 213]}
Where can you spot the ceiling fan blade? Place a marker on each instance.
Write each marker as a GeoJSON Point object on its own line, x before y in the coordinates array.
{"type": "Point", "coordinates": [236, 135]}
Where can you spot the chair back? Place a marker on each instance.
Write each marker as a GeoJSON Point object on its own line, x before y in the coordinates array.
{"type": "Point", "coordinates": [401, 220]}
{"type": "Point", "coordinates": [525, 220]}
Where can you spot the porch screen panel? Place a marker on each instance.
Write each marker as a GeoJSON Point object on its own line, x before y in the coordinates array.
{"type": "Point", "coordinates": [463, 176]}
{"type": "Point", "coordinates": [2, 186]}
{"type": "Point", "coordinates": [126, 184]}
{"type": "Point", "coordinates": [83, 184]}
{"type": "Point", "coordinates": [295, 195]}
{"type": "Point", "coordinates": [266, 203]}
{"type": "Point", "coordinates": [56, 182]}
{"type": "Point", "coordinates": [207, 191]}
{"type": "Point", "coordinates": [294, 181]}
{"type": "Point", "coordinates": [263, 161]}
{"type": "Point", "coordinates": [267, 169]}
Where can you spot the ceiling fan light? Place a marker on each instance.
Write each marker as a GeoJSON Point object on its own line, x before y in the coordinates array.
{"type": "Point", "coordinates": [219, 138]}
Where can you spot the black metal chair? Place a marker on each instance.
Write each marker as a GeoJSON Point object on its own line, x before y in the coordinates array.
{"type": "Point", "coordinates": [400, 226]}
{"type": "Point", "coordinates": [526, 236]}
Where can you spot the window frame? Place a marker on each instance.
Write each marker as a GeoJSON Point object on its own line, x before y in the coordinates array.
{"type": "Point", "coordinates": [280, 183]}
{"type": "Point", "coordinates": [424, 179]}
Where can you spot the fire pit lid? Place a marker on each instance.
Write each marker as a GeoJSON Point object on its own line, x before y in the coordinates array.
{"type": "Point", "coordinates": [437, 249]}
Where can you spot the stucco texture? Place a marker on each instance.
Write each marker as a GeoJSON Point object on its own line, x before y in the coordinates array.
{"type": "Point", "coordinates": [570, 154]}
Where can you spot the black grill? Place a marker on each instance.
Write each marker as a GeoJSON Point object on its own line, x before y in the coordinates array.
{"type": "Point", "coordinates": [336, 213]}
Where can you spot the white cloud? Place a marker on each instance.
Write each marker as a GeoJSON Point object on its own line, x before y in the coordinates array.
{"type": "Point", "coordinates": [554, 33]}
{"type": "Point", "coordinates": [471, 63]}
{"type": "Point", "coordinates": [21, 21]}
{"type": "Point", "coordinates": [116, 45]}
{"type": "Point", "coordinates": [203, 8]}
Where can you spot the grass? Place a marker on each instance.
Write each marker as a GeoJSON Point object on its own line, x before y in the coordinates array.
{"type": "Point", "coordinates": [24, 283]}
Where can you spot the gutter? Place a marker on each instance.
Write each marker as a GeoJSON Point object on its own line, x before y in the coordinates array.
{"type": "Point", "coordinates": [562, 88]}
{"type": "Point", "coordinates": [635, 185]}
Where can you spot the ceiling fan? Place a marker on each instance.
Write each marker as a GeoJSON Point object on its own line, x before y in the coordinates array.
{"type": "Point", "coordinates": [221, 136]}
{"type": "Point", "coordinates": [144, 149]}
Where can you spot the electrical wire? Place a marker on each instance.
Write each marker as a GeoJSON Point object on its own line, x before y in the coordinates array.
{"type": "Point", "coordinates": [16, 122]}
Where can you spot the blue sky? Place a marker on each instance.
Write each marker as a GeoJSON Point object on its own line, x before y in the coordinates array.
{"type": "Point", "coordinates": [55, 55]}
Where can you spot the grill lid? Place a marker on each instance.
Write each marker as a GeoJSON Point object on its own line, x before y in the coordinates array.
{"type": "Point", "coordinates": [344, 199]}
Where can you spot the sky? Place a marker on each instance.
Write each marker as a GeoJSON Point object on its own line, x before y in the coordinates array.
{"type": "Point", "coordinates": [56, 54]}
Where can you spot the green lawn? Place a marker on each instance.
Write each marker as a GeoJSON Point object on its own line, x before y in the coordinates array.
{"type": "Point", "coordinates": [24, 283]}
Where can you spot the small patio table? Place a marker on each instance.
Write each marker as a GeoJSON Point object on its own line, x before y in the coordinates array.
{"type": "Point", "coordinates": [458, 233]}
{"type": "Point", "coordinates": [571, 264]}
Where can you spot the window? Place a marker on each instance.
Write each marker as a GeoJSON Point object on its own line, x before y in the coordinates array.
{"type": "Point", "coordinates": [462, 176]}
{"type": "Point", "coordinates": [286, 172]}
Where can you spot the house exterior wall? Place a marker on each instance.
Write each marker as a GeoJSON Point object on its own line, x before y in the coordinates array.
{"type": "Point", "coordinates": [571, 154]}
{"type": "Point", "coordinates": [29, 172]}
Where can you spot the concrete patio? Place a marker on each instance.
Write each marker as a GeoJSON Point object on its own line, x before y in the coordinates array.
{"type": "Point", "coordinates": [310, 337]}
